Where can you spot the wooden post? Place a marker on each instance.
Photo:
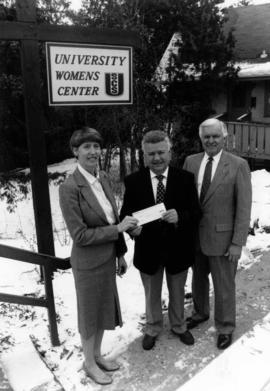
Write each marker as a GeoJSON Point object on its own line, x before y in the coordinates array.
{"type": "Point", "coordinates": [35, 123]}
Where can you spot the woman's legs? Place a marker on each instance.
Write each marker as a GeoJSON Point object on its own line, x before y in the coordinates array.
{"type": "Point", "coordinates": [107, 365]}
{"type": "Point", "coordinates": [90, 365]}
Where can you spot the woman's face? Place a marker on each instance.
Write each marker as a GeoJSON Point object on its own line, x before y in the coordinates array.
{"type": "Point", "coordinates": [88, 154]}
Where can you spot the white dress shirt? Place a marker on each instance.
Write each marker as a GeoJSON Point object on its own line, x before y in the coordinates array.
{"type": "Point", "coordinates": [154, 181]}
{"type": "Point", "coordinates": [215, 162]}
{"type": "Point", "coordinates": [97, 189]}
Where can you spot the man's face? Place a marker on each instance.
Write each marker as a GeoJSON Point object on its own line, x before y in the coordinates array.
{"type": "Point", "coordinates": [157, 156]}
{"type": "Point", "coordinates": [212, 139]}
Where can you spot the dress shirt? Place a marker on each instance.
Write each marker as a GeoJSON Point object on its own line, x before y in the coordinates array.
{"type": "Point", "coordinates": [98, 191]}
{"type": "Point", "coordinates": [215, 162]}
{"type": "Point", "coordinates": [154, 180]}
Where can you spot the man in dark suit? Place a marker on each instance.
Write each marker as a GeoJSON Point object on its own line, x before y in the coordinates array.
{"type": "Point", "coordinates": [166, 244]}
{"type": "Point", "coordinates": [224, 188]}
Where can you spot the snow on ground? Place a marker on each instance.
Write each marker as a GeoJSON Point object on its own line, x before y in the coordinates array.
{"type": "Point", "coordinates": [171, 363]}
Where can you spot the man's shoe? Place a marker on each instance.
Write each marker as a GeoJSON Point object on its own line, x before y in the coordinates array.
{"type": "Point", "coordinates": [148, 342]}
{"type": "Point", "coordinates": [191, 323]}
{"type": "Point", "coordinates": [224, 341]}
{"type": "Point", "coordinates": [186, 337]}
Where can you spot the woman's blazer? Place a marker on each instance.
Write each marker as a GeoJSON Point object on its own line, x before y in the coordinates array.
{"type": "Point", "coordinates": [95, 242]}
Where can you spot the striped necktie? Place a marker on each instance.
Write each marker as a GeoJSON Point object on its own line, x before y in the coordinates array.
{"type": "Point", "coordinates": [206, 178]}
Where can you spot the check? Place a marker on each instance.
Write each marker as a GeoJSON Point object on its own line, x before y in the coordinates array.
{"type": "Point", "coordinates": [150, 214]}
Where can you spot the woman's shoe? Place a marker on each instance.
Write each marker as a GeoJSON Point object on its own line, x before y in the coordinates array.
{"type": "Point", "coordinates": [103, 380]}
{"type": "Point", "coordinates": [108, 366]}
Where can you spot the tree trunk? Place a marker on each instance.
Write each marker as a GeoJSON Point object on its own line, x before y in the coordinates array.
{"type": "Point", "coordinates": [122, 158]}
{"type": "Point", "coordinates": [133, 161]}
{"type": "Point", "coordinates": [107, 159]}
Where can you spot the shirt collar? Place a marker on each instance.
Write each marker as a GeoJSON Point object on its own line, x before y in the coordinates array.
{"type": "Point", "coordinates": [89, 177]}
{"type": "Point", "coordinates": [215, 158]}
{"type": "Point", "coordinates": [165, 173]}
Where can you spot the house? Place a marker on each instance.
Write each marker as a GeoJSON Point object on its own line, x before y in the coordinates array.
{"type": "Point", "coordinates": [250, 99]}
{"type": "Point", "coordinates": [246, 107]}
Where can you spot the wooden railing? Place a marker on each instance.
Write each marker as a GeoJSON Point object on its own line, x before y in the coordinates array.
{"type": "Point", "coordinates": [249, 139]}
{"type": "Point", "coordinates": [49, 264]}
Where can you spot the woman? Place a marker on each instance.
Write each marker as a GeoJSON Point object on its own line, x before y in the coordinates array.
{"type": "Point", "coordinates": [90, 212]}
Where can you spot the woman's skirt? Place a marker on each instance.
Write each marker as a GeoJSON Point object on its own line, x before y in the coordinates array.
{"type": "Point", "coordinates": [97, 299]}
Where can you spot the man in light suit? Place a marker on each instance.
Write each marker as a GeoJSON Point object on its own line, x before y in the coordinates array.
{"type": "Point", "coordinates": [165, 245]}
{"type": "Point", "coordinates": [224, 189]}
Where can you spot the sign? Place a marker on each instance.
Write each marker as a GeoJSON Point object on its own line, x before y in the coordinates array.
{"type": "Point", "coordinates": [82, 74]}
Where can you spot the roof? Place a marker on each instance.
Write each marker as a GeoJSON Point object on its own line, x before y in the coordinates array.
{"type": "Point", "coordinates": [251, 30]}
{"type": "Point", "coordinates": [251, 26]}
{"type": "Point", "coordinates": [251, 70]}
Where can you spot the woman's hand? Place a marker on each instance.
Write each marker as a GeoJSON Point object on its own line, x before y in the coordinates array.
{"type": "Point", "coordinates": [121, 266]}
{"type": "Point", "coordinates": [127, 223]}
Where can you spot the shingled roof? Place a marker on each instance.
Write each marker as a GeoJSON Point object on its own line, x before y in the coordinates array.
{"type": "Point", "coordinates": [251, 26]}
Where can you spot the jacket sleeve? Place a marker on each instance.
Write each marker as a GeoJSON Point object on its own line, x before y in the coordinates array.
{"type": "Point", "coordinates": [243, 199]}
{"type": "Point", "coordinates": [81, 234]}
{"type": "Point", "coordinates": [192, 213]}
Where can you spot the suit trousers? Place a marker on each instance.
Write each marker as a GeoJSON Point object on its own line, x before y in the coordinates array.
{"type": "Point", "coordinates": [223, 274]}
{"type": "Point", "coordinates": [153, 288]}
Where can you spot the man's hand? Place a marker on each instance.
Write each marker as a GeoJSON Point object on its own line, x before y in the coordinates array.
{"type": "Point", "coordinates": [170, 216]}
{"type": "Point", "coordinates": [233, 253]}
{"type": "Point", "coordinates": [121, 266]}
{"type": "Point", "coordinates": [135, 231]}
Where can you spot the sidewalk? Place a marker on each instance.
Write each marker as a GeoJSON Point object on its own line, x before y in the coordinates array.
{"type": "Point", "coordinates": [244, 366]}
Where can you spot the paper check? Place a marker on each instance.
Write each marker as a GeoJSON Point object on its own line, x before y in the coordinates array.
{"type": "Point", "coordinates": [150, 214]}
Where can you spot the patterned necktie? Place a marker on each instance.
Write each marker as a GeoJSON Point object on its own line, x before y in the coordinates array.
{"type": "Point", "coordinates": [160, 189]}
{"type": "Point", "coordinates": [206, 178]}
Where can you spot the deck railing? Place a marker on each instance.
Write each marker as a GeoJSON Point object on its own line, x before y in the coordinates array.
{"type": "Point", "coordinates": [49, 264]}
{"type": "Point", "coordinates": [249, 140]}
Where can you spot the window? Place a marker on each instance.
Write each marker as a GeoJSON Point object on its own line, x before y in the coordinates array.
{"type": "Point", "coordinates": [267, 99]}
{"type": "Point", "coordinates": [239, 96]}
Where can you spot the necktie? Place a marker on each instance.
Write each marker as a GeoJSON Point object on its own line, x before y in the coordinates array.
{"type": "Point", "coordinates": [206, 178]}
{"type": "Point", "coordinates": [160, 189]}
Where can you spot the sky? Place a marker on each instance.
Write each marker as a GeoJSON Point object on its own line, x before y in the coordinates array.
{"type": "Point", "coordinates": [76, 3]}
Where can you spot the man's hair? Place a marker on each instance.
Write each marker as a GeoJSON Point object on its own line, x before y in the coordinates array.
{"type": "Point", "coordinates": [154, 137]}
{"type": "Point", "coordinates": [211, 122]}
{"type": "Point", "coordinates": [85, 134]}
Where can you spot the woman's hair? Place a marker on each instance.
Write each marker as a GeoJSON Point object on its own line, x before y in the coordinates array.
{"type": "Point", "coordinates": [83, 135]}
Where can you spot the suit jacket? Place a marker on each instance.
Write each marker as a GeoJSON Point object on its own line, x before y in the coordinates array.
{"type": "Point", "coordinates": [95, 242]}
{"type": "Point", "coordinates": [160, 242]}
{"type": "Point", "coordinates": [227, 205]}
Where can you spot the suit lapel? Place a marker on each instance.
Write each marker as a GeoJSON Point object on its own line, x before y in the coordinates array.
{"type": "Point", "coordinates": [88, 194]}
{"type": "Point", "coordinates": [169, 185]}
{"type": "Point", "coordinates": [147, 186]}
{"type": "Point", "coordinates": [109, 194]}
{"type": "Point", "coordinates": [196, 165]}
{"type": "Point", "coordinates": [220, 173]}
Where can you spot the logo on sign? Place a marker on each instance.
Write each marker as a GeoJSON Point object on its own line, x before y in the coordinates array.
{"type": "Point", "coordinates": [114, 83]}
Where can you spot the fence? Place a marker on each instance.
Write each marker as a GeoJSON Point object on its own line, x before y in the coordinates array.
{"type": "Point", "coordinates": [249, 140]}
{"type": "Point", "coordinates": [49, 264]}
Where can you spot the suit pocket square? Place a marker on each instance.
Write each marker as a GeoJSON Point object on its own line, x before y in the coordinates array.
{"type": "Point", "coordinates": [223, 227]}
